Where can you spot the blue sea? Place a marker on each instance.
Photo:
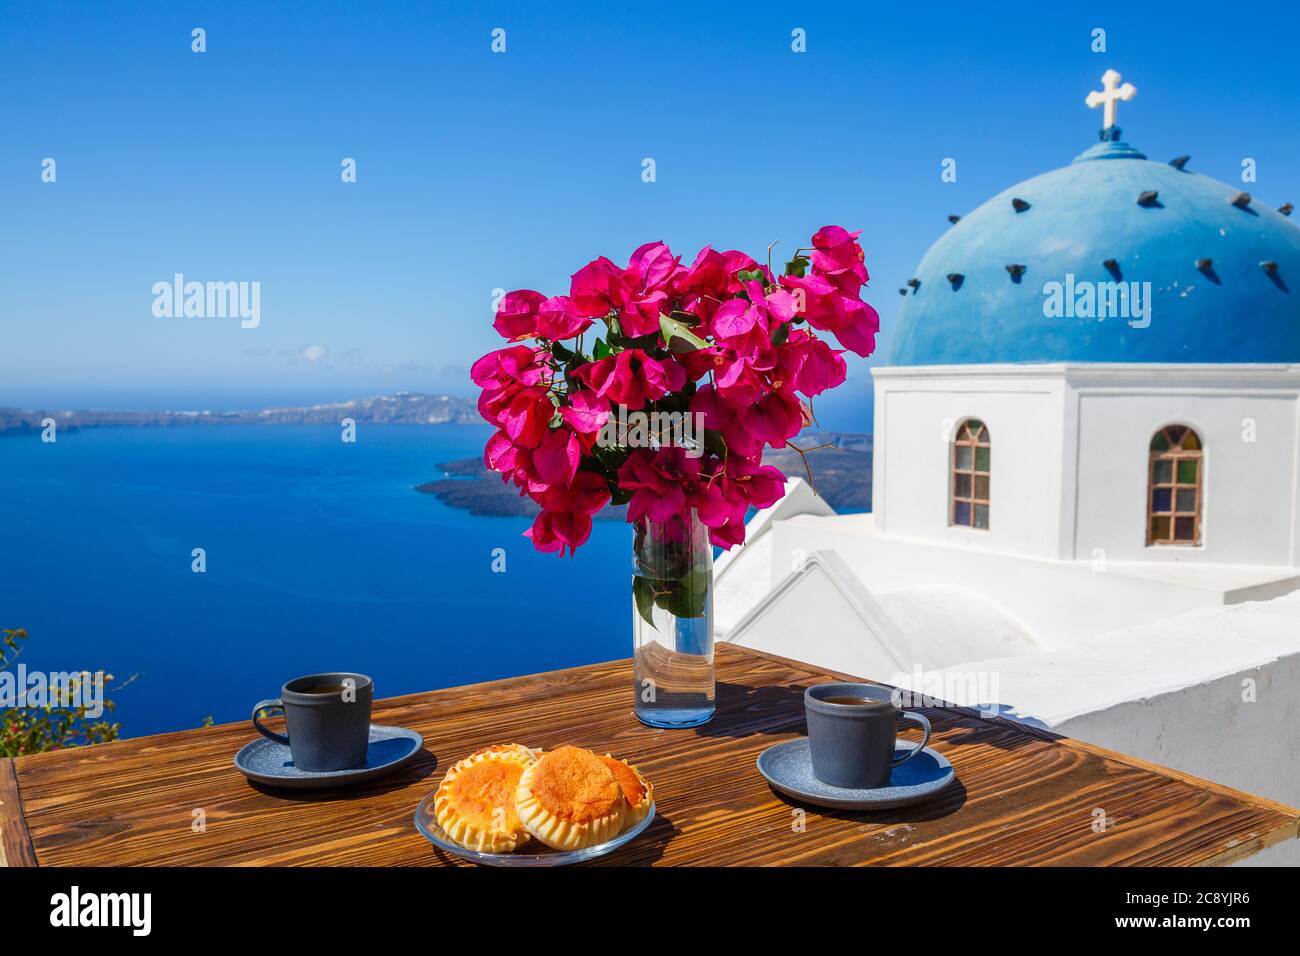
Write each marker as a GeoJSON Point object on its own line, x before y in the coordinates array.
{"type": "Point", "coordinates": [320, 556]}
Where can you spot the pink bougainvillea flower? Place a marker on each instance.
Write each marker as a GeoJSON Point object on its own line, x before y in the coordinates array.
{"type": "Point", "coordinates": [586, 494]}
{"type": "Point", "coordinates": [513, 462]}
{"type": "Point", "coordinates": [493, 404]}
{"type": "Point", "coordinates": [706, 276]}
{"type": "Point", "coordinates": [738, 378]}
{"type": "Point", "coordinates": [652, 266]}
{"type": "Point", "coordinates": [597, 288]}
{"type": "Point", "coordinates": [728, 536]}
{"type": "Point", "coordinates": [710, 501]}
{"type": "Point", "coordinates": [640, 316]}
{"type": "Point", "coordinates": [646, 283]}
{"type": "Point", "coordinates": [557, 530]}
{"type": "Point", "coordinates": [758, 356]}
{"type": "Point", "coordinates": [775, 417]}
{"type": "Point", "coordinates": [851, 320]}
{"type": "Point", "coordinates": [858, 332]}
{"type": "Point", "coordinates": [718, 413]}
{"type": "Point", "coordinates": [517, 314]}
{"type": "Point", "coordinates": [657, 480]}
{"type": "Point", "coordinates": [838, 257]}
{"type": "Point", "coordinates": [556, 459]}
{"type": "Point", "coordinates": [723, 504]}
{"type": "Point", "coordinates": [781, 306]}
{"type": "Point", "coordinates": [631, 378]}
{"type": "Point", "coordinates": [760, 485]}
{"type": "Point", "coordinates": [527, 416]}
{"type": "Point", "coordinates": [724, 418]}
{"type": "Point", "coordinates": [817, 300]}
{"type": "Point", "coordinates": [718, 505]}
{"type": "Point", "coordinates": [558, 319]}
{"type": "Point", "coordinates": [565, 519]}
{"type": "Point", "coordinates": [516, 365]}
{"type": "Point", "coordinates": [500, 454]}
{"type": "Point", "coordinates": [701, 362]}
{"type": "Point", "coordinates": [586, 412]}
{"type": "Point", "coordinates": [638, 293]}
{"type": "Point", "coordinates": [809, 365]}
{"type": "Point", "coordinates": [736, 318]}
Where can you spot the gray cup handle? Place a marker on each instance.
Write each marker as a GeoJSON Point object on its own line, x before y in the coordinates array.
{"type": "Point", "coordinates": [278, 704]}
{"type": "Point", "coordinates": [904, 715]}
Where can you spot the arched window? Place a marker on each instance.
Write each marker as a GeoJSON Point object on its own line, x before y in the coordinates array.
{"type": "Point", "coordinates": [1174, 486]}
{"type": "Point", "coordinates": [970, 475]}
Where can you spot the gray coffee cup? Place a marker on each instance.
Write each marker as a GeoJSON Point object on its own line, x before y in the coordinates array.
{"type": "Point", "coordinates": [327, 717]}
{"type": "Point", "coordinates": [852, 744]}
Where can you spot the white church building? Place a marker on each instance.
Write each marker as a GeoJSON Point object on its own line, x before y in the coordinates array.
{"type": "Point", "coordinates": [1086, 477]}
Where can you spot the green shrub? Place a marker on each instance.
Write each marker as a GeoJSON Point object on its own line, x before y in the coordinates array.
{"type": "Point", "coordinates": [33, 730]}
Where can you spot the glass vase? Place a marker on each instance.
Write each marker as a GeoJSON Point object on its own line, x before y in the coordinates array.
{"type": "Point", "coordinates": [672, 621]}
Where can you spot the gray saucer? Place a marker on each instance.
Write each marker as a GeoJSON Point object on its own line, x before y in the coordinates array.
{"type": "Point", "coordinates": [788, 768]}
{"type": "Point", "coordinates": [270, 763]}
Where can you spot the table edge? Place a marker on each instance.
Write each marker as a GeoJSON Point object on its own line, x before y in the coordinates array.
{"type": "Point", "coordinates": [16, 847]}
{"type": "Point", "coordinates": [1248, 848]}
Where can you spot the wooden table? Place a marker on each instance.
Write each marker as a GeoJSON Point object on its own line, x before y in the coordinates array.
{"type": "Point", "coordinates": [1023, 796]}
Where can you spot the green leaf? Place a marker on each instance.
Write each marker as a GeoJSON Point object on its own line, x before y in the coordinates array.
{"type": "Point", "coordinates": [678, 337]}
{"type": "Point", "coordinates": [561, 352]}
{"type": "Point", "coordinates": [600, 350]}
{"type": "Point", "coordinates": [751, 275]}
{"type": "Point", "coordinates": [643, 593]}
{"type": "Point", "coordinates": [798, 266]}
{"type": "Point", "coordinates": [686, 318]}
{"type": "Point", "coordinates": [781, 333]}
{"type": "Point", "coordinates": [684, 597]}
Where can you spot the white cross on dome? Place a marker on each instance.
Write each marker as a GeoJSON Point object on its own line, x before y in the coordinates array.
{"type": "Point", "coordinates": [1111, 92]}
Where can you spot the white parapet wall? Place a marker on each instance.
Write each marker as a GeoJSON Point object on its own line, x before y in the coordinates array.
{"type": "Point", "coordinates": [743, 575]}
{"type": "Point", "coordinates": [1059, 602]}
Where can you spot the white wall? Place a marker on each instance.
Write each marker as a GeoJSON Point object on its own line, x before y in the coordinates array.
{"type": "Point", "coordinates": [1070, 445]}
{"type": "Point", "coordinates": [1249, 487]}
{"type": "Point", "coordinates": [917, 412]}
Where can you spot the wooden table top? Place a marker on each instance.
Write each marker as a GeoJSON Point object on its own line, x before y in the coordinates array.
{"type": "Point", "coordinates": [1022, 796]}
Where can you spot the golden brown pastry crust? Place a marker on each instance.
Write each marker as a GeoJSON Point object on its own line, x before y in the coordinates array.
{"type": "Point", "coordinates": [475, 803]}
{"type": "Point", "coordinates": [569, 799]}
{"type": "Point", "coordinates": [532, 752]}
{"type": "Point", "coordinates": [636, 789]}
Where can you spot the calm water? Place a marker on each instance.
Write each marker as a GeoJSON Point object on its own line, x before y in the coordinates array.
{"type": "Point", "coordinates": [320, 556]}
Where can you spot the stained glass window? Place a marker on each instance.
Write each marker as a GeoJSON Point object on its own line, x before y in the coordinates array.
{"type": "Point", "coordinates": [1176, 466]}
{"type": "Point", "coordinates": [970, 475]}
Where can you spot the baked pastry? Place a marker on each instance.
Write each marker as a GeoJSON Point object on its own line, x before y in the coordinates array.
{"type": "Point", "coordinates": [636, 789]}
{"type": "Point", "coordinates": [509, 748]}
{"type": "Point", "coordinates": [569, 799]}
{"type": "Point", "coordinates": [475, 803]}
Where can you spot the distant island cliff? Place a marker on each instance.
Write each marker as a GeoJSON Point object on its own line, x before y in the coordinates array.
{"type": "Point", "coordinates": [841, 472]}
{"type": "Point", "coordinates": [404, 408]}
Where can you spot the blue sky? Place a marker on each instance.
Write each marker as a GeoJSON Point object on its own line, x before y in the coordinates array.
{"type": "Point", "coordinates": [479, 170]}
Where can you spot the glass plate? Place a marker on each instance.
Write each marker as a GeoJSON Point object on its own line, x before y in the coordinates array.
{"type": "Point", "coordinates": [427, 824]}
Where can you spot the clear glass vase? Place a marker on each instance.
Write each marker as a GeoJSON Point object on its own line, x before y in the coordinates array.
{"type": "Point", "coordinates": [672, 621]}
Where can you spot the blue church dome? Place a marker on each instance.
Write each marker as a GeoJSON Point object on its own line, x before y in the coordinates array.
{"type": "Point", "coordinates": [1035, 273]}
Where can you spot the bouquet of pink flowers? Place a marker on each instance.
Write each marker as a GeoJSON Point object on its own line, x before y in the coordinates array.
{"type": "Point", "coordinates": [722, 342]}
